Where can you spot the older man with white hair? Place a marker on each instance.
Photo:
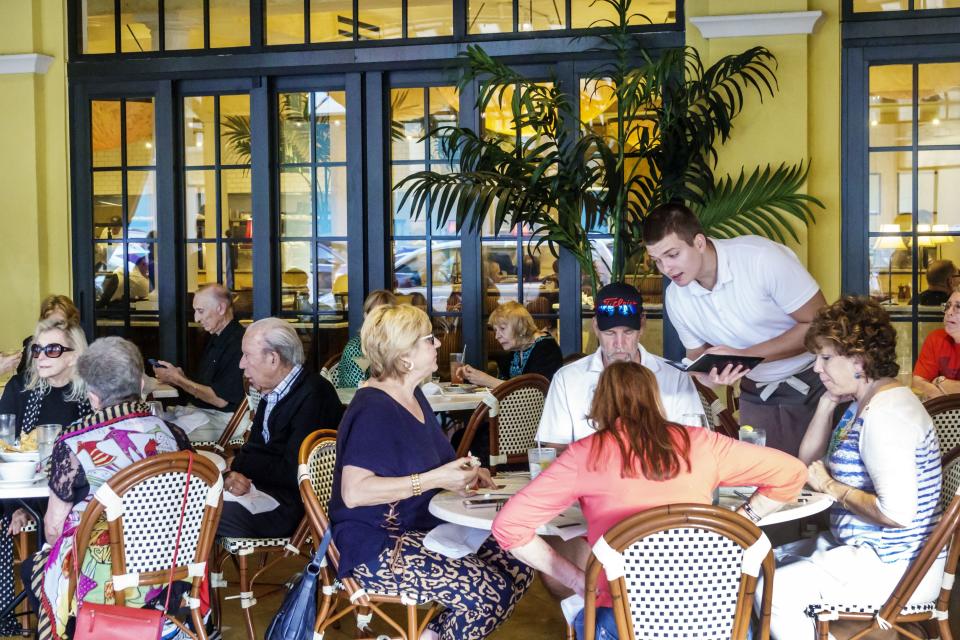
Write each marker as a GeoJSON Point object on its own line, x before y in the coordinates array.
{"type": "Point", "coordinates": [295, 403]}
{"type": "Point", "coordinates": [216, 386]}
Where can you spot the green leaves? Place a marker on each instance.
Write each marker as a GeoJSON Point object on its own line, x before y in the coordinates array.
{"type": "Point", "coordinates": [562, 179]}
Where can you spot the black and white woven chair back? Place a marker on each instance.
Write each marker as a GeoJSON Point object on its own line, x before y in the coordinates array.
{"type": "Point", "coordinates": [519, 416]}
{"type": "Point", "coordinates": [320, 464]}
{"type": "Point", "coordinates": [253, 400]}
{"type": "Point", "coordinates": [151, 513]}
{"type": "Point", "coordinates": [947, 424]}
{"type": "Point", "coordinates": [682, 582]}
{"type": "Point", "coordinates": [712, 409]}
{"type": "Point", "coordinates": [950, 483]}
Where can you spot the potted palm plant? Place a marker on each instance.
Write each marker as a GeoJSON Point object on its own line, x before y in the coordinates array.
{"type": "Point", "coordinates": [564, 179]}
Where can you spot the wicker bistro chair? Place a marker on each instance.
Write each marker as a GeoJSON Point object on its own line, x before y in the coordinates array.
{"type": "Point", "coordinates": [895, 611]}
{"type": "Point", "coordinates": [513, 413]}
{"type": "Point", "coordinates": [945, 412]}
{"type": "Point", "coordinates": [682, 571]}
{"type": "Point", "coordinates": [330, 368]}
{"type": "Point", "coordinates": [141, 504]}
{"type": "Point", "coordinates": [318, 456]}
{"type": "Point", "coordinates": [719, 418]}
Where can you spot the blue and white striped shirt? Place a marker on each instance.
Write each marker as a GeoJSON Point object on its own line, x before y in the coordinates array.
{"type": "Point", "coordinates": [891, 451]}
{"type": "Point", "coordinates": [275, 396]}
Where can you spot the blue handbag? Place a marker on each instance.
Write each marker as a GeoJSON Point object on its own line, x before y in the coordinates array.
{"type": "Point", "coordinates": [298, 613]}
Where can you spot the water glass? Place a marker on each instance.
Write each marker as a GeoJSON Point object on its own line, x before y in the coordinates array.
{"type": "Point", "coordinates": [456, 361]}
{"type": "Point", "coordinates": [539, 459]}
{"type": "Point", "coordinates": [47, 435]}
{"type": "Point", "coordinates": [753, 435]}
{"type": "Point", "coordinates": [8, 427]}
{"type": "Point", "coordinates": [156, 408]}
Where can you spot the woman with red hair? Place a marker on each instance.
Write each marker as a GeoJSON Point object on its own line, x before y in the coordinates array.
{"type": "Point", "coordinates": [636, 460]}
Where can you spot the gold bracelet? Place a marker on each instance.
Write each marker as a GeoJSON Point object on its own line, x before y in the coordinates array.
{"type": "Point", "coordinates": [415, 481]}
{"type": "Point", "coordinates": [843, 498]}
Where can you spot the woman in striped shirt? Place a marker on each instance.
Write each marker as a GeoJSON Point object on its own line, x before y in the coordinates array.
{"type": "Point", "coordinates": [881, 463]}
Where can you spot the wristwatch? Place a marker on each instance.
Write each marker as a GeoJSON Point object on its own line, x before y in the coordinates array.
{"type": "Point", "coordinates": [938, 381]}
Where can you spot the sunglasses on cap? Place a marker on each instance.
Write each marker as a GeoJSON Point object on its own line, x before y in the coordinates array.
{"type": "Point", "coordinates": [611, 310]}
{"type": "Point", "coordinates": [52, 350]}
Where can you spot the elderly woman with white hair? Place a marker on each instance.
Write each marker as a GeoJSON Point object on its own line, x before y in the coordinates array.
{"type": "Point", "coordinates": [392, 458]}
{"type": "Point", "coordinates": [295, 403]}
{"type": "Point", "coordinates": [120, 431]}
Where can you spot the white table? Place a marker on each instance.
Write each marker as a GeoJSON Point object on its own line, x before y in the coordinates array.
{"type": "Point", "coordinates": [450, 507]}
{"type": "Point", "coordinates": [439, 403]}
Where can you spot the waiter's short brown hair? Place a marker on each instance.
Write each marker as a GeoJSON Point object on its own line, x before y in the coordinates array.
{"type": "Point", "coordinates": [668, 218]}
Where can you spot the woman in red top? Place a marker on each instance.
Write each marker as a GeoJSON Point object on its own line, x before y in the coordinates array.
{"type": "Point", "coordinates": [937, 371]}
{"type": "Point", "coordinates": [636, 461]}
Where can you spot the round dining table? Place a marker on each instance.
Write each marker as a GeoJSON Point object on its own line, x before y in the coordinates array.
{"type": "Point", "coordinates": [452, 507]}
{"type": "Point", "coordinates": [439, 402]}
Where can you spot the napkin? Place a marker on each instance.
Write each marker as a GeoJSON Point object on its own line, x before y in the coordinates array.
{"type": "Point", "coordinates": [431, 389]}
{"type": "Point", "coordinates": [254, 501]}
{"type": "Point", "coordinates": [571, 607]}
{"type": "Point", "coordinates": [454, 540]}
{"type": "Point", "coordinates": [189, 421]}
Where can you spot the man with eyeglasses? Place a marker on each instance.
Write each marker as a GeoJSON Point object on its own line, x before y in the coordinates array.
{"type": "Point", "coordinates": [745, 296]}
{"type": "Point", "coordinates": [937, 371]}
{"type": "Point", "coordinates": [618, 324]}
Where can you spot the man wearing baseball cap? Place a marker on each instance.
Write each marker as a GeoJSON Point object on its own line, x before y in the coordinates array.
{"type": "Point", "coordinates": [618, 323]}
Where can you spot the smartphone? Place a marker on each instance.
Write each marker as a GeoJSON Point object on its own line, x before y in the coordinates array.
{"type": "Point", "coordinates": [153, 362]}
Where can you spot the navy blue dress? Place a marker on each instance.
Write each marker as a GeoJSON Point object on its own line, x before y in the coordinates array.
{"type": "Point", "coordinates": [381, 436]}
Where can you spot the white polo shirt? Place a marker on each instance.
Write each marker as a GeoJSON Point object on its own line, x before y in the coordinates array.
{"type": "Point", "coordinates": [759, 284]}
{"type": "Point", "coordinates": [571, 393]}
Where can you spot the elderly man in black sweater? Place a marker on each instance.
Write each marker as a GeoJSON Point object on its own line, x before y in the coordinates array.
{"type": "Point", "coordinates": [295, 403]}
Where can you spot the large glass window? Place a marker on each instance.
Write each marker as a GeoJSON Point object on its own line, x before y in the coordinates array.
{"type": "Point", "coordinates": [294, 22]}
{"type": "Point", "coordinates": [188, 24]}
{"type": "Point", "coordinates": [125, 219]}
{"type": "Point", "coordinates": [217, 205]}
{"type": "Point", "coordinates": [914, 193]}
{"type": "Point", "coordinates": [312, 153]}
{"type": "Point", "coordinates": [873, 6]}
{"type": "Point", "coordinates": [426, 258]}
{"type": "Point", "coordinates": [505, 16]}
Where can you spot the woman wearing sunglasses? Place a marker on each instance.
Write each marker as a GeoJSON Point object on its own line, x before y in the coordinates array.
{"type": "Point", "coordinates": [48, 392]}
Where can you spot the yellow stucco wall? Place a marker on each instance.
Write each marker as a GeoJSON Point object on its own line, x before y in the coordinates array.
{"type": "Point", "coordinates": [34, 177]}
{"type": "Point", "coordinates": [802, 122]}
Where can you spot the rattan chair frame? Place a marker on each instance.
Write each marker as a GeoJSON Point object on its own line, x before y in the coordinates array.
{"type": "Point", "coordinates": [722, 420]}
{"type": "Point", "coordinates": [482, 415]}
{"type": "Point", "coordinates": [710, 518]}
{"type": "Point", "coordinates": [203, 469]}
{"type": "Point", "coordinates": [944, 535]}
{"type": "Point", "coordinates": [937, 407]}
{"type": "Point", "coordinates": [330, 596]}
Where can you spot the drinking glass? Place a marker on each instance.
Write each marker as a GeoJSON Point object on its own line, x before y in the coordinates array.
{"type": "Point", "coordinates": [156, 408]}
{"type": "Point", "coordinates": [47, 435]}
{"type": "Point", "coordinates": [456, 361]}
{"type": "Point", "coordinates": [539, 459]}
{"type": "Point", "coordinates": [753, 435]}
{"type": "Point", "coordinates": [8, 427]}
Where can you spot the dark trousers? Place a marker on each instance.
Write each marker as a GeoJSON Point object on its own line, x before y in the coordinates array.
{"type": "Point", "coordinates": [785, 414]}
{"type": "Point", "coordinates": [237, 522]}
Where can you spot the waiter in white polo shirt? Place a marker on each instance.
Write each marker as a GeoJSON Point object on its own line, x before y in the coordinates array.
{"type": "Point", "coordinates": [618, 324]}
{"type": "Point", "coordinates": [743, 296]}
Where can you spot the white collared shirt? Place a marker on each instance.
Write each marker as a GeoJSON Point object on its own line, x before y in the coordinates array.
{"type": "Point", "coordinates": [564, 417]}
{"type": "Point", "coordinates": [759, 284]}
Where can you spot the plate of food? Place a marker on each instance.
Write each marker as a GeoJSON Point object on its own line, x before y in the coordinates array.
{"type": "Point", "coordinates": [24, 450]}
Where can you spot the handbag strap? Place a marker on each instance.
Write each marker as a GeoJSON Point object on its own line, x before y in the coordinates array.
{"type": "Point", "coordinates": [183, 511]}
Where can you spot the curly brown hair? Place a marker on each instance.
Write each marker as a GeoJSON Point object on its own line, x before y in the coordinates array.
{"type": "Point", "coordinates": [857, 327]}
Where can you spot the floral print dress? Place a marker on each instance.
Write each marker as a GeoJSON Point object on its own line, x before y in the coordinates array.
{"type": "Point", "coordinates": [85, 457]}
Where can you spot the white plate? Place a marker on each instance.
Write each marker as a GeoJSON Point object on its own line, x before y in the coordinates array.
{"type": "Point", "coordinates": [29, 482]}
{"type": "Point", "coordinates": [19, 456]}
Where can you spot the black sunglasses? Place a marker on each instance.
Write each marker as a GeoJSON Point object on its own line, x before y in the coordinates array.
{"type": "Point", "coordinates": [53, 350]}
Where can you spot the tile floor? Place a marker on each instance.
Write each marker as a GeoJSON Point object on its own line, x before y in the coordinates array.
{"type": "Point", "coordinates": [536, 618]}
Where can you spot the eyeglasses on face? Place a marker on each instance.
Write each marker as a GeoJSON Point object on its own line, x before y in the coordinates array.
{"type": "Point", "coordinates": [52, 350]}
{"type": "Point", "coordinates": [947, 306]}
{"type": "Point", "coordinates": [612, 310]}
